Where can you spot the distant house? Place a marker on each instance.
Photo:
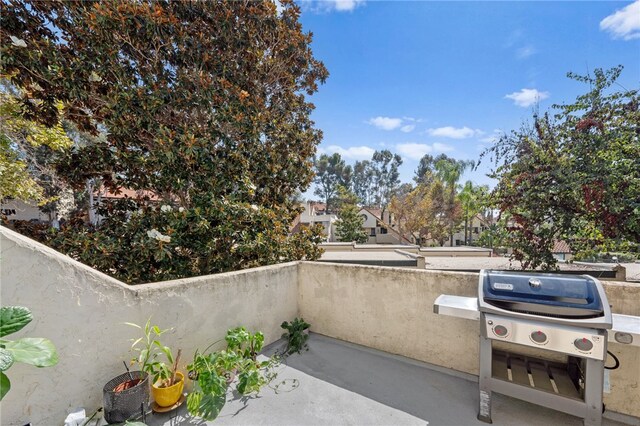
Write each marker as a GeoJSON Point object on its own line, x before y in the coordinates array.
{"type": "Point", "coordinates": [20, 210]}
{"type": "Point", "coordinates": [315, 214]}
{"type": "Point", "coordinates": [102, 195]}
{"type": "Point", "coordinates": [381, 227]}
{"type": "Point", "coordinates": [478, 225]}
{"type": "Point", "coordinates": [562, 251]}
{"type": "Point", "coordinates": [30, 211]}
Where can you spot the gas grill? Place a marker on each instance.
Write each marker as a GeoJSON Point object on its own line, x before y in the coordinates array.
{"type": "Point", "coordinates": [566, 314]}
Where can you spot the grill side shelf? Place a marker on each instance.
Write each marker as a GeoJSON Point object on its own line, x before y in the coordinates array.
{"type": "Point", "coordinates": [457, 306]}
{"type": "Point", "coordinates": [625, 330]}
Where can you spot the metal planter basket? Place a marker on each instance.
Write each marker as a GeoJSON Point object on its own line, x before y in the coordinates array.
{"type": "Point", "coordinates": [129, 403]}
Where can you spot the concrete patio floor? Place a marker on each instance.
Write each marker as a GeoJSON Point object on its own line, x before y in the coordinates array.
{"type": "Point", "coordinates": [338, 383]}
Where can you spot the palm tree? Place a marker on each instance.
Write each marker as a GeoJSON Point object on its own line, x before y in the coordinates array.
{"type": "Point", "coordinates": [466, 197]}
{"type": "Point", "coordinates": [449, 171]}
{"type": "Point", "coordinates": [473, 200]}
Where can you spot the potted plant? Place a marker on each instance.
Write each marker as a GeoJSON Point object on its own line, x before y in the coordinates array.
{"type": "Point", "coordinates": [214, 372]}
{"type": "Point", "coordinates": [35, 351]}
{"type": "Point", "coordinates": [297, 335]}
{"type": "Point", "coordinates": [127, 396]}
{"type": "Point", "coordinates": [167, 383]}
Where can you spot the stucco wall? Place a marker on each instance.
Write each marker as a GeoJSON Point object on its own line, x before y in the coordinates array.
{"type": "Point", "coordinates": [391, 309]}
{"type": "Point", "coordinates": [82, 311]}
{"type": "Point", "coordinates": [19, 210]}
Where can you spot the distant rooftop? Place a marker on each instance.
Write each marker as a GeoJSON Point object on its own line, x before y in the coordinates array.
{"type": "Point", "coordinates": [454, 249]}
{"type": "Point", "coordinates": [379, 258]}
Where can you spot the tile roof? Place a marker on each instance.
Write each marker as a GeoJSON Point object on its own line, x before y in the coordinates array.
{"type": "Point", "coordinates": [128, 193]}
{"type": "Point", "coordinates": [560, 246]}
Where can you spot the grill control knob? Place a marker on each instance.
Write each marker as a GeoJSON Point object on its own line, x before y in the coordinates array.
{"type": "Point", "coordinates": [538, 337]}
{"type": "Point", "coordinates": [500, 330]}
{"type": "Point", "coordinates": [583, 344]}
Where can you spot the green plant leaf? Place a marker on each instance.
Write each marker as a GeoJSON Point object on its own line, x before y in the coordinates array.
{"type": "Point", "coordinates": [6, 359]}
{"type": "Point", "coordinates": [143, 355]}
{"type": "Point", "coordinates": [13, 318]}
{"type": "Point", "coordinates": [205, 405]}
{"type": "Point", "coordinates": [5, 385]}
{"type": "Point", "coordinates": [36, 351]}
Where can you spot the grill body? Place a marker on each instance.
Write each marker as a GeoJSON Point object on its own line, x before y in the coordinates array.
{"type": "Point", "coordinates": [567, 315]}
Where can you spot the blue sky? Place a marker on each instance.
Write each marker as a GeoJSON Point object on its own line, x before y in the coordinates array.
{"type": "Point", "coordinates": [421, 76]}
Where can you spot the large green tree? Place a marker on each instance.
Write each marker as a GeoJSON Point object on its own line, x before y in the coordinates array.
{"type": "Point", "coordinates": [426, 167]}
{"type": "Point", "coordinates": [202, 103]}
{"type": "Point", "coordinates": [26, 151]}
{"type": "Point", "coordinates": [349, 225]}
{"type": "Point", "coordinates": [473, 199]}
{"type": "Point", "coordinates": [362, 181]}
{"type": "Point", "coordinates": [421, 212]}
{"type": "Point", "coordinates": [386, 177]}
{"type": "Point", "coordinates": [450, 170]}
{"type": "Point", "coordinates": [331, 172]}
{"type": "Point", "coordinates": [574, 176]}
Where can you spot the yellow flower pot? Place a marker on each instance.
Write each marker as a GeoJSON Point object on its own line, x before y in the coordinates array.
{"type": "Point", "coordinates": [166, 397]}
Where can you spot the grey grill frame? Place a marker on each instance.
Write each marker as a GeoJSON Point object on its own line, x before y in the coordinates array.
{"type": "Point", "coordinates": [589, 407]}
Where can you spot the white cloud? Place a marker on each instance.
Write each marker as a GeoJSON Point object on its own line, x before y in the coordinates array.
{"type": "Point", "coordinates": [416, 151]}
{"type": "Point", "coordinates": [525, 51]}
{"type": "Point", "coordinates": [346, 5]}
{"type": "Point", "coordinates": [454, 132]}
{"type": "Point", "coordinates": [325, 6]}
{"type": "Point", "coordinates": [404, 124]}
{"type": "Point", "coordinates": [441, 147]}
{"type": "Point", "coordinates": [624, 23]}
{"type": "Point", "coordinates": [386, 123]}
{"type": "Point", "coordinates": [527, 97]}
{"type": "Point", "coordinates": [352, 152]}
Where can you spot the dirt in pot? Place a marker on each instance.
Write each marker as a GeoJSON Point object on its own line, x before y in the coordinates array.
{"type": "Point", "coordinates": [126, 385]}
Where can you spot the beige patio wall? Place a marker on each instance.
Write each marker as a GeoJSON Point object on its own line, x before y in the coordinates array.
{"type": "Point", "coordinates": [82, 311]}
{"type": "Point", "coordinates": [391, 309]}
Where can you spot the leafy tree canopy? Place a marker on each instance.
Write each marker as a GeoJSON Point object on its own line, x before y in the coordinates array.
{"type": "Point", "coordinates": [573, 176]}
{"type": "Point", "coordinates": [473, 199]}
{"type": "Point", "coordinates": [331, 172]}
{"type": "Point", "coordinates": [422, 212]}
{"type": "Point", "coordinates": [202, 103]}
{"type": "Point", "coordinates": [349, 225]}
{"type": "Point", "coordinates": [427, 167]}
{"type": "Point", "coordinates": [362, 181]}
{"type": "Point", "coordinates": [22, 175]}
{"type": "Point", "coordinates": [386, 176]}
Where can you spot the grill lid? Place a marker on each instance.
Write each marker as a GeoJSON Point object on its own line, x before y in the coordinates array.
{"type": "Point", "coordinates": [551, 295]}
